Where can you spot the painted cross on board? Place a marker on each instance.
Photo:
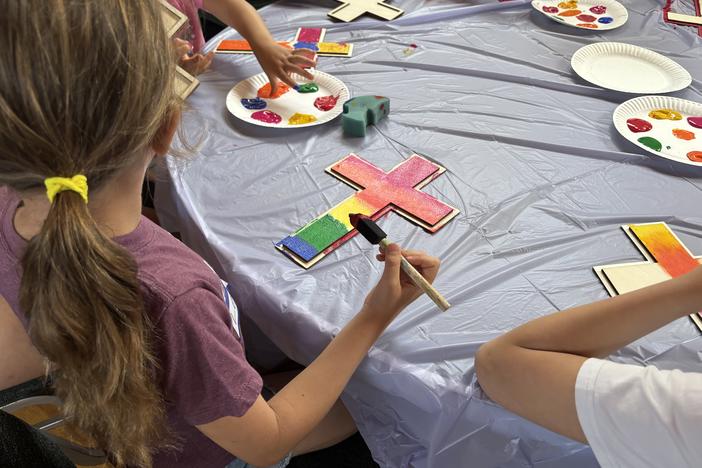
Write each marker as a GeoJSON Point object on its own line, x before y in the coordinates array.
{"type": "Point", "coordinates": [682, 19]}
{"type": "Point", "coordinates": [378, 193]}
{"type": "Point", "coordinates": [306, 38]}
{"type": "Point", "coordinates": [666, 258]}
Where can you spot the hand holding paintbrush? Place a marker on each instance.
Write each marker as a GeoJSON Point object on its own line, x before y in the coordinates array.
{"type": "Point", "coordinates": [372, 232]}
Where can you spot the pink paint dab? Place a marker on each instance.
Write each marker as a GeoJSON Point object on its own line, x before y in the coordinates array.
{"type": "Point", "coordinates": [550, 9]}
{"type": "Point", "coordinates": [267, 117]}
{"type": "Point", "coordinates": [695, 121]}
{"type": "Point", "coordinates": [599, 9]}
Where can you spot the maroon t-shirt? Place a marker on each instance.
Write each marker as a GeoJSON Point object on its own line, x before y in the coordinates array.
{"type": "Point", "coordinates": [204, 375]}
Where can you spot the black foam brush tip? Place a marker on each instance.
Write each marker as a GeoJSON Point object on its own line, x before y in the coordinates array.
{"type": "Point", "coordinates": [367, 228]}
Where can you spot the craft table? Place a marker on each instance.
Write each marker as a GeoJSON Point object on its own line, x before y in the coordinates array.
{"type": "Point", "coordinates": [540, 176]}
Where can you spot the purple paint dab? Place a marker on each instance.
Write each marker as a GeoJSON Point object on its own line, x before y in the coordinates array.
{"type": "Point", "coordinates": [255, 103]}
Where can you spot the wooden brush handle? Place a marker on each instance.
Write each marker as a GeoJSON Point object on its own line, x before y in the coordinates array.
{"type": "Point", "coordinates": [420, 281]}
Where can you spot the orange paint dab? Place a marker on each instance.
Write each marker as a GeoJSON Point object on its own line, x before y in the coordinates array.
{"type": "Point", "coordinates": [683, 134]}
{"type": "Point", "coordinates": [695, 156]}
{"type": "Point", "coordinates": [587, 25]}
{"type": "Point", "coordinates": [570, 13]}
{"type": "Point", "coordinates": [265, 91]}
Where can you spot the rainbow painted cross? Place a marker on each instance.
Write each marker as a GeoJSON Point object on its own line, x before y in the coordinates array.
{"type": "Point", "coordinates": [378, 193]}
{"type": "Point", "coordinates": [306, 38]}
{"type": "Point", "coordinates": [683, 19]}
{"type": "Point", "coordinates": [666, 257]}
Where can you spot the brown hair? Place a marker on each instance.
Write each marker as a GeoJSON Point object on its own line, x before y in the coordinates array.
{"type": "Point", "coordinates": [85, 86]}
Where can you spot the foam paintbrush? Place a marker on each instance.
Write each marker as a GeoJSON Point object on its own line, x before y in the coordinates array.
{"type": "Point", "coordinates": [373, 234]}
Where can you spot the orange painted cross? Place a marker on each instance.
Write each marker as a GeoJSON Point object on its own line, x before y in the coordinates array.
{"type": "Point", "coordinates": [666, 257]}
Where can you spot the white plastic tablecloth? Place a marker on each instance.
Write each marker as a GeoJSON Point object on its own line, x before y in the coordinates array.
{"type": "Point", "coordinates": [542, 180]}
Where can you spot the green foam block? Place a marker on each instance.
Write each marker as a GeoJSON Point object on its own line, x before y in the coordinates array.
{"type": "Point", "coordinates": [361, 111]}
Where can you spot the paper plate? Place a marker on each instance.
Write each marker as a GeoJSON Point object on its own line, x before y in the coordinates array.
{"type": "Point", "coordinates": [629, 68]}
{"type": "Point", "coordinates": [290, 103]}
{"type": "Point", "coordinates": [596, 15]}
{"type": "Point", "coordinates": [679, 140]}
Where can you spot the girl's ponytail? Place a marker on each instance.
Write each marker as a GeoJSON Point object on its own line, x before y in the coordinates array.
{"type": "Point", "coordinates": [82, 295]}
{"type": "Point", "coordinates": [86, 87]}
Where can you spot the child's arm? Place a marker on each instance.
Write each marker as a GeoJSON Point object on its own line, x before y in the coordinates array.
{"type": "Point", "coordinates": [277, 62]}
{"type": "Point", "coordinates": [270, 430]}
{"type": "Point", "coordinates": [532, 370]}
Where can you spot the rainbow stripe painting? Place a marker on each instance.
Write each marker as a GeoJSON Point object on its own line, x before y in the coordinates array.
{"type": "Point", "coordinates": [666, 257]}
{"type": "Point", "coordinates": [378, 193]}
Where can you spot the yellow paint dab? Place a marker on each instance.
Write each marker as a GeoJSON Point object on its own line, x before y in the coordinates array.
{"type": "Point", "coordinates": [665, 114]}
{"type": "Point", "coordinates": [300, 119]}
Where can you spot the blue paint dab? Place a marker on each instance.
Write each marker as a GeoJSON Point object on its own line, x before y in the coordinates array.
{"type": "Point", "coordinates": [255, 103]}
{"type": "Point", "coordinates": [306, 45]}
{"type": "Point", "coordinates": [304, 250]}
{"type": "Point", "coordinates": [605, 20]}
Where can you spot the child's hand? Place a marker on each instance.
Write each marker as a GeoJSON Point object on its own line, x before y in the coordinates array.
{"type": "Point", "coordinates": [195, 63]}
{"type": "Point", "coordinates": [279, 62]}
{"type": "Point", "coordinates": [395, 290]}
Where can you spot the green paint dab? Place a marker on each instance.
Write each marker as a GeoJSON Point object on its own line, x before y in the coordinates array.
{"type": "Point", "coordinates": [322, 232]}
{"type": "Point", "coordinates": [307, 88]}
{"type": "Point", "coordinates": [652, 143]}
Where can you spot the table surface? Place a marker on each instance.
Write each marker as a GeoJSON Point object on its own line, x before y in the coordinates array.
{"type": "Point", "coordinates": [542, 179]}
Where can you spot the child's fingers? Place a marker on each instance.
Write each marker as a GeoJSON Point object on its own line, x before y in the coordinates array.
{"type": "Point", "coordinates": [285, 78]}
{"type": "Point", "coordinates": [301, 61]}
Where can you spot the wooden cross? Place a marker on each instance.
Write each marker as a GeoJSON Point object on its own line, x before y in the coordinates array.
{"type": "Point", "coordinates": [666, 257]}
{"type": "Point", "coordinates": [682, 19]}
{"type": "Point", "coordinates": [173, 20]}
{"type": "Point", "coordinates": [378, 193]}
{"type": "Point", "coordinates": [352, 9]}
{"type": "Point", "coordinates": [306, 38]}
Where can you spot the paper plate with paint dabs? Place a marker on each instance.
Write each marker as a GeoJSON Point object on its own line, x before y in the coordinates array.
{"type": "Point", "coordinates": [598, 15]}
{"type": "Point", "coordinates": [665, 126]}
{"type": "Point", "coordinates": [311, 102]}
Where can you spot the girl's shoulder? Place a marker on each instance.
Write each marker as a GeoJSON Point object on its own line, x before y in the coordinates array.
{"type": "Point", "coordinates": [168, 269]}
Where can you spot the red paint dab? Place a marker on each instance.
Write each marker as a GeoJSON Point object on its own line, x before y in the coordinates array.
{"type": "Point", "coordinates": [599, 9]}
{"type": "Point", "coordinates": [638, 125]}
{"type": "Point", "coordinates": [586, 18]}
{"type": "Point", "coordinates": [550, 9]}
{"type": "Point", "coordinates": [326, 103]}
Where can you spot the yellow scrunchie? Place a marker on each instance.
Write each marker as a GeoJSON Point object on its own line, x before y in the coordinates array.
{"type": "Point", "coordinates": [77, 183]}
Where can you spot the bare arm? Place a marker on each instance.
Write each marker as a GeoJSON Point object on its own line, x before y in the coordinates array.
{"type": "Point", "coordinates": [275, 60]}
{"type": "Point", "coordinates": [532, 369]}
{"type": "Point", "coordinates": [270, 430]}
